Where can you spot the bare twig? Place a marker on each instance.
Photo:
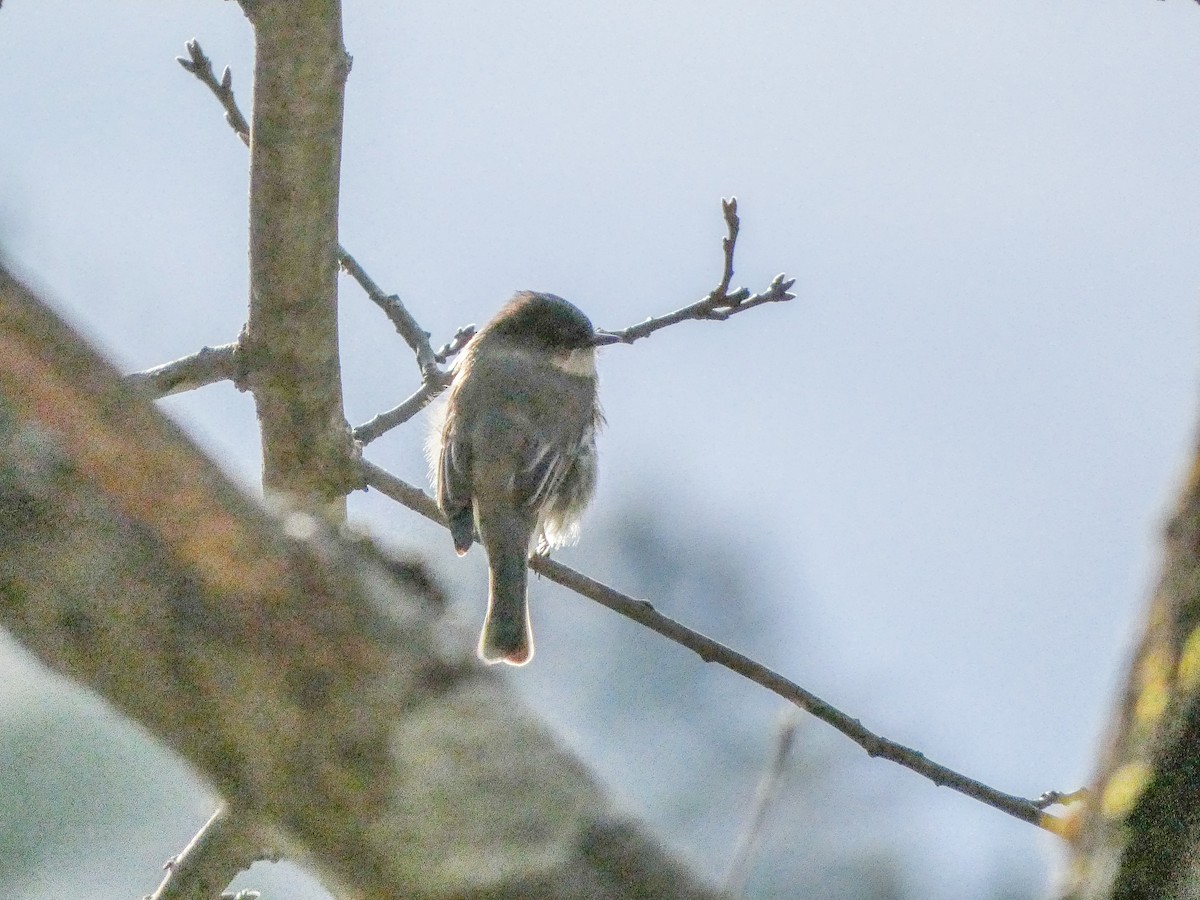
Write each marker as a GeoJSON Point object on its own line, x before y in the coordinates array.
{"type": "Point", "coordinates": [743, 854]}
{"type": "Point", "coordinates": [386, 421]}
{"type": "Point", "coordinates": [713, 651]}
{"type": "Point", "coordinates": [431, 386]}
{"type": "Point", "coordinates": [1058, 798]}
{"type": "Point", "coordinates": [710, 650]}
{"type": "Point", "coordinates": [720, 303]}
{"type": "Point", "coordinates": [454, 346]}
{"type": "Point", "coordinates": [405, 324]}
{"type": "Point", "coordinates": [208, 366]}
{"type": "Point", "coordinates": [201, 66]}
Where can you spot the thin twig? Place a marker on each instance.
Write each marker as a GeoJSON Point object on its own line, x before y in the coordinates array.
{"type": "Point", "coordinates": [720, 303]}
{"type": "Point", "coordinates": [208, 366]}
{"type": "Point", "coordinates": [1058, 798]}
{"type": "Point", "coordinates": [386, 421]}
{"type": "Point", "coordinates": [201, 66]}
{"type": "Point", "coordinates": [405, 324]}
{"type": "Point", "coordinates": [402, 320]}
{"type": "Point", "coordinates": [743, 854]}
{"type": "Point", "coordinates": [709, 650]}
{"type": "Point", "coordinates": [431, 386]}
{"type": "Point", "coordinates": [454, 346]}
{"type": "Point", "coordinates": [732, 226]}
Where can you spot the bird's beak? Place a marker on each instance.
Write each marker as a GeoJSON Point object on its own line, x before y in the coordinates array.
{"type": "Point", "coordinates": [604, 338]}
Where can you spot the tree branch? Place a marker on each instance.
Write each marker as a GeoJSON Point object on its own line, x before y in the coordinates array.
{"type": "Point", "coordinates": [200, 65]}
{"type": "Point", "coordinates": [398, 415]}
{"type": "Point", "coordinates": [1138, 834]}
{"type": "Point", "coordinates": [455, 345]}
{"type": "Point", "coordinates": [405, 324]}
{"type": "Point", "coordinates": [208, 366]}
{"type": "Point", "coordinates": [719, 304]}
{"type": "Point", "coordinates": [709, 650]}
{"type": "Point", "coordinates": [422, 397]}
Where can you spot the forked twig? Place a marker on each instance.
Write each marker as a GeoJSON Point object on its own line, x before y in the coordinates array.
{"type": "Point", "coordinates": [201, 66]}
{"type": "Point", "coordinates": [198, 63]}
{"type": "Point", "coordinates": [719, 304]}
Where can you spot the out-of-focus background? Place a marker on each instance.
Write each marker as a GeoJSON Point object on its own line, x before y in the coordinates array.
{"type": "Point", "coordinates": [929, 489]}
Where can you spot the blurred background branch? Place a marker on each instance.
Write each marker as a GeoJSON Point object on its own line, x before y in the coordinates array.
{"type": "Point", "coordinates": [1138, 835]}
{"type": "Point", "coordinates": [306, 676]}
{"type": "Point", "coordinates": [766, 792]}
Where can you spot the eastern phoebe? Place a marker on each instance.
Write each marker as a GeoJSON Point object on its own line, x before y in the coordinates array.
{"type": "Point", "coordinates": [516, 450]}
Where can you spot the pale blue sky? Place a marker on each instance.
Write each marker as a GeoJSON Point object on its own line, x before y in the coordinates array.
{"type": "Point", "coordinates": [956, 447]}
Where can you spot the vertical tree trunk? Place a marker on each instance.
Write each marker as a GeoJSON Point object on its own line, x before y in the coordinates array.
{"type": "Point", "coordinates": [291, 334]}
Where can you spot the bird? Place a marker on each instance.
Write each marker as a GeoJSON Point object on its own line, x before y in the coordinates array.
{"type": "Point", "coordinates": [514, 453]}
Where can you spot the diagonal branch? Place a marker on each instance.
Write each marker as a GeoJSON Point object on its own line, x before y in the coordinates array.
{"type": "Point", "coordinates": [768, 786]}
{"type": "Point", "coordinates": [398, 415]}
{"type": "Point", "coordinates": [422, 397]}
{"type": "Point", "coordinates": [212, 859]}
{"type": "Point", "coordinates": [405, 324]}
{"type": "Point", "coordinates": [709, 650]}
{"type": "Point", "coordinates": [201, 66]}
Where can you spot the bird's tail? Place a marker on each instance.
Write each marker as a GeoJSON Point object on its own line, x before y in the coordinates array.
{"type": "Point", "coordinates": [507, 635]}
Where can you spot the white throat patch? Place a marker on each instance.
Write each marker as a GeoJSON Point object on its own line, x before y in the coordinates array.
{"type": "Point", "coordinates": [581, 362]}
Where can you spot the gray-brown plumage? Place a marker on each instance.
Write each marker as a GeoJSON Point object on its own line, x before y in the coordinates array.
{"type": "Point", "coordinates": [516, 451]}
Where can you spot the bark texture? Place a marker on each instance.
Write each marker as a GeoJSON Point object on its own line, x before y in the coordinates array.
{"type": "Point", "coordinates": [291, 337]}
{"type": "Point", "coordinates": [1139, 835]}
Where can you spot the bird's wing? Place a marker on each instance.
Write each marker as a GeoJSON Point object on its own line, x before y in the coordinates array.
{"type": "Point", "coordinates": [454, 485]}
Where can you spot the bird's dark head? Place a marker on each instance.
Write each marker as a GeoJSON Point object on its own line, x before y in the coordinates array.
{"type": "Point", "coordinates": [542, 321]}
